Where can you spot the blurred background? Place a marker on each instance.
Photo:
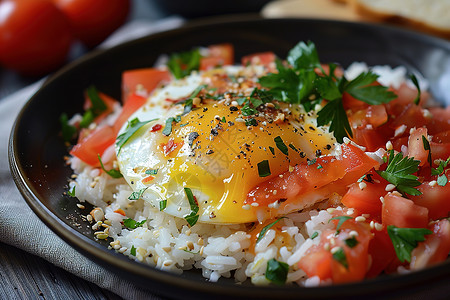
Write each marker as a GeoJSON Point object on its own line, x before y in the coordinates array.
{"type": "Point", "coordinates": [38, 37]}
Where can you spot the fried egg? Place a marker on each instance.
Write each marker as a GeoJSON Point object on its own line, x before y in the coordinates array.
{"type": "Point", "coordinates": [213, 149]}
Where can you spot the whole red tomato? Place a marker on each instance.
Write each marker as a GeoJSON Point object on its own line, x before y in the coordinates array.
{"type": "Point", "coordinates": [94, 20]}
{"type": "Point", "coordinates": [35, 36]}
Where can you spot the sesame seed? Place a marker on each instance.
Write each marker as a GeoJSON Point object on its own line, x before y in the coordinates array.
{"type": "Point", "coordinates": [167, 263]}
{"type": "Point", "coordinates": [372, 224]}
{"type": "Point", "coordinates": [335, 249]}
{"type": "Point", "coordinates": [378, 226]}
{"type": "Point", "coordinates": [389, 187]}
{"type": "Point", "coordinates": [246, 207]}
{"type": "Point", "coordinates": [360, 219]}
{"type": "Point", "coordinates": [190, 245]}
{"type": "Point", "coordinates": [201, 250]}
{"type": "Point", "coordinates": [362, 185]}
{"type": "Point", "coordinates": [382, 199]}
{"type": "Point", "coordinates": [396, 193]}
{"type": "Point", "coordinates": [123, 249]}
{"type": "Point", "coordinates": [353, 233]}
{"type": "Point", "coordinates": [350, 211]}
{"type": "Point", "coordinates": [188, 232]}
{"type": "Point", "coordinates": [291, 169]}
{"type": "Point", "coordinates": [432, 183]}
{"type": "Point", "coordinates": [326, 246]}
{"type": "Point", "coordinates": [389, 146]}
{"type": "Point", "coordinates": [274, 192]}
{"type": "Point", "coordinates": [346, 140]}
{"type": "Point", "coordinates": [200, 241]}
{"type": "Point", "coordinates": [255, 204]}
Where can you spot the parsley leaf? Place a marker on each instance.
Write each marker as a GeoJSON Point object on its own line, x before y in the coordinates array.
{"type": "Point", "coordinates": [133, 126]}
{"type": "Point", "coordinates": [340, 257]}
{"type": "Point", "coordinates": [405, 240]}
{"type": "Point", "coordinates": [334, 112]}
{"type": "Point", "coordinates": [442, 180]}
{"type": "Point", "coordinates": [426, 147]}
{"type": "Point", "coordinates": [133, 250]}
{"type": "Point", "coordinates": [361, 89]}
{"type": "Point", "coordinates": [132, 224]}
{"type": "Point", "coordinates": [68, 131]}
{"type": "Point", "coordinates": [97, 107]}
{"type": "Point", "coordinates": [304, 56]}
{"type": "Point", "coordinates": [162, 205]}
{"type": "Point", "coordinates": [113, 172]}
{"type": "Point", "coordinates": [71, 193]}
{"type": "Point", "coordinates": [400, 171]}
{"type": "Point", "coordinates": [264, 230]}
{"type": "Point", "coordinates": [276, 271]}
{"type": "Point", "coordinates": [182, 64]}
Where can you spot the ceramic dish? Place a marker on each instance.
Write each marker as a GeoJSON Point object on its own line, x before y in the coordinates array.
{"type": "Point", "coordinates": [36, 150]}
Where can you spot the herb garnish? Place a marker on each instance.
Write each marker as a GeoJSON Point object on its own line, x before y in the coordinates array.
{"type": "Point", "coordinates": [97, 107]}
{"type": "Point", "coordinates": [151, 171]}
{"type": "Point", "coordinates": [426, 147]}
{"type": "Point", "coordinates": [137, 195]}
{"type": "Point", "coordinates": [351, 242]}
{"type": "Point", "coordinates": [264, 168]}
{"type": "Point", "coordinates": [276, 271]}
{"type": "Point", "coordinates": [71, 193]}
{"type": "Point", "coordinates": [193, 216]}
{"type": "Point", "coordinates": [400, 171]}
{"type": "Point", "coordinates": [281, 145]}
{"type": "Point", "coordinates": [442, 180]}
{"type": "Point", "coordinates": [339, 256]}
{"type": "Point", "coordinates": [264, 230]}
{"type": "Point", "coordinates": [133, 250]}
{"type": "Point", "coordinates": [182, 64]}
{"type": "Point", "coordinates": [113, 172]}
{"type": "Point", "coordinates": [314, 235]}
{"type": "Point", "coordinates": [405, 240]}
{"type": "Point", "coordinates": [132, 224]}
{"type": "Point", "coordinates": [162, 205]}
{"type": "Point", "coordinates": [132, 127]}
{"type": "Point", "coordinates": [300, 83]}
{"type": "Point", "coordinates": [416, 83]}
{"type": "Point", "coordinates": [68, 131]}
{"type": "Point", "coordinates": [341, 219]}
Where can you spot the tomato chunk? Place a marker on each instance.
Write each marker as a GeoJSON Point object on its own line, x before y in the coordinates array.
{"type": "Point", "coordinates": [402, 212]}
{"type": "Point", "coordinates": [219, 55]}
{"type": "Point", "coordinates": [149, 78]}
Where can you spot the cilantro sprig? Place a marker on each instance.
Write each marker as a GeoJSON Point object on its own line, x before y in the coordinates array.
{"type": "Point", "coordinates": [132, 127]}
{"type": "Point", "coordinates": [113, 172]}
{"type": "Point", "coordinates": [191, 218]}
{"type": "Point", "coordinates": [276, 271]}
{"type": "Point", "coordinates": [132, 224]}
{"type": "Point", "coordinates": [400, 171]}
{"type": "Point", "coordinates": [183, 63]}
{"type": "Point", "coordinates": [298, 82]}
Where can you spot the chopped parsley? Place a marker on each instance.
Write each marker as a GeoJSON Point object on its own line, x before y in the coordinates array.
{"type": "Point", "coordinates": [113, 172]}
{"type": "Point", "coordinates": [276, 271]}
{"type": "Point", "coordinates": [310, 162]}
{"type": "Point", "coordinates": [133, 250]}
{"type": "Point", "coordinates": [300, 84]}
{"type": "Point", "coordinates": [341, 219]}
{"type": "Point", "coordinates": [162, 205]}
{"type": "Point", "coordinates": [400, 171]}
{"type": "Point", "coordinates": [182, 64]}
{"type": "Point", "coordinates": [168, 127]}
{"type": "Point", "coordinates": [71, 193]}
{"type": "Point", "coordinates": [97, 107]}
{"type": "Point", "coordinates": [314, 235]}
{"type": "Point", "coordinates": [264, 168]}
{"type": "Point", "coordinates": [351, 242]}
{"type": "Point", "coordinates": [151, 171]}
{"type": "Point", "coordinates": [339, 256]}
{"type": "Point", "coordinates": [272, 150]}
{"type": "Point", "coordinates": [416, 83]}
{"type": "Point", "coordinates": [251, 122]}
{"type": "Point", "coordinates": [281, 145]}
{"type": "Point", "coordinates": [442, 180]}
{"type": "Point", "coordinates": [264, 230]}
{"type": "Point", "coordinates": [192, 218]}
{"type": "Point", "coordinates": [440, 169]}
{"type": "Point", "coordinates": [68, 131]}
{"type": "Point", "coordinates": [132, 127]}
{"type": "Point", "coordinates": [405, 240]}
{"type": "Point", "coordinates": [137, 195]}
{"type": "Point", "coordinates": [132, 224]}
{"type": "Point", "coordinates": [426, 147]}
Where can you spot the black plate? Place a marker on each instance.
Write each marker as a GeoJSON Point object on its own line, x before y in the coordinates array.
{"type": "Point", "coordinates": [36, 151]}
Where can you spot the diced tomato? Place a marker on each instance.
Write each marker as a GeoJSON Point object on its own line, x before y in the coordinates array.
{"type": "Point", "coordinates": [405, 97]}
{"type": "Point", "coordinates": [219, 55]}
{"type": "Point", "coordinates": [133, 103]}
{"type": "Point", "coordinates": [402, 212]}
{"type": "Point", "coordinates": [261, 58]}
{"type": "Point", "coordinates": [306, 178]}
{"type": "Point", "coordinates": [440, 121]}
{"type": "Point", "coordinates": [381, 251]}
{"type": "Point", "coordinates": [435, 198]}
{"type": "Point", "coordinates": [435, 248]}
{"type": "Point", "coordinates": [371, 138]}
{"type": "Point", "coordinates": [353, 104]}
{"type": "Point", "coordinates": [318, 260]}
{"type": "Point", "coordinates": [366, 200]}
{"type": "Point", "coordinates": [148, 78]}
{"type": "Point", "coordinates": [411, 116]}
{"type": "Point", "coordinates": [416, 147]}
{"type": "Point", "coordinates": [92, 145]}
{"type": "Point", "coordinates": [440, 151]}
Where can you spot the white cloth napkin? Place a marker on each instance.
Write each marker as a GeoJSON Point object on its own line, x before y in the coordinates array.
{"type": "Point", "coordinates": [21, 228]}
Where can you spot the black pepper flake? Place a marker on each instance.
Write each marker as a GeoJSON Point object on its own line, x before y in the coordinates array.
{"type": "Point", "coordinates": [328, 147]}
{"type": "Point", "coordinates": [212, 215]}
{"type": "Point", "coordinates": [302, 154]}
{"type": "Point", "coordinates": [214, 131]}
{"type": "Point", "coordinates": [210, 151]}
{"type": "Point", "coordinates": [281, 200]}
{"type": "Point", "coordinates": [312, 128]}
{"type": "Point", "coordinates": [205, 109]}
{"type": "Point", "coordinates": [233, 108]}
{"type": "Point", "coordinates": [191, 138]}
{"type": "Point", "coordinates": [318, 153]}
{"type": "Point", "coordinates": [230, 123]}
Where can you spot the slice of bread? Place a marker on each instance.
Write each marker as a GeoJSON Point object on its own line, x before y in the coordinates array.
{"type": "Point", "coordinates": [432, 16]}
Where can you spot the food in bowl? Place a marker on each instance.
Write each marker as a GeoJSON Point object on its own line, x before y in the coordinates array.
{"type": "Point", "coordinates": [281, 171]}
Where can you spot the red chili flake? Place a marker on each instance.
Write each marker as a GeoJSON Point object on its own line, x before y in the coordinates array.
{"type": "Point", "coordinates": [120, 211]}
{"type": "Point", "coordinates": [148, 179]}
{"type": "Point", "coordinates": [170, 146]}
{"type": "Point", "coordinates": [156, 127]}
